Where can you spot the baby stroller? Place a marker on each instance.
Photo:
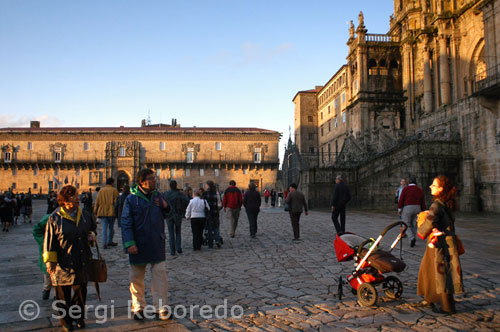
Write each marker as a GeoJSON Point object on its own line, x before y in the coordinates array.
{"type": "Point", "coordinates": [370, 264]}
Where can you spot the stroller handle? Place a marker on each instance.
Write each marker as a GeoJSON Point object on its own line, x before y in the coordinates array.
{"type": "Point", "coordinates": [388, 228]}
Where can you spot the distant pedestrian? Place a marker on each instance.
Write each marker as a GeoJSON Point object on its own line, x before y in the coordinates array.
{"type": "Point", "coordinates": [87, 201]}
{"type": "Point", "coordinates": [296, 202]}
{"type": "Point", "coordinates": [196, 213]}
{"type": "Point", "coordinates": [104, 208]}
{"type": "Point", "coordinates": [178, 203]}
{"type": "Point", "coordinates": [213, 221]}
{"type": "Point", "coordinates": [341, 196]}
{"type": "Point", "coordinates": [231, 203]}
{"type": "Point", "coordinates": [266, 196]}
{"type": "Point", "coordinates": [120, 201]}
{"type": "Point", "coordinates": [273, 197]}
{"type": "Point", "coordinates": [18, 207]}
{"type": "Point", "coordinates": [27, 207]}
{"type": "Point", "coordinates": [252, 201]}
{"type": "Point", "coordinates": [280, 199]}
{"type": "Point", "coordinates": [143, 235]}
{"type": "Point", "coordinates": [7, 205]}
{"type": "Point", "coordinates": [52, 202]}
{"type": "Point", "coordinates": [402, 185]}
{"type": "Point", "coordinates": [411, 202]}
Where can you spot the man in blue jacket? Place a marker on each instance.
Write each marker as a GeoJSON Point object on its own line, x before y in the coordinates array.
{"type": "Point", "coordinates": [143, 233]}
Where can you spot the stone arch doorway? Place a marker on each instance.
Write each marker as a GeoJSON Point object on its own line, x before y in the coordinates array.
{"type": "Point", "coordinates": [122, 179]}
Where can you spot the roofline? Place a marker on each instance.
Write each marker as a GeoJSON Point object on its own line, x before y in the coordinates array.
{"type": "Point", "coordinates": [331, 78]}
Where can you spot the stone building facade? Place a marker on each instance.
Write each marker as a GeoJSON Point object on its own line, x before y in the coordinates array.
{"type": "Point", "coordinates": [42, 159]}
{"type": "Point", "coordinates": [421, 100]}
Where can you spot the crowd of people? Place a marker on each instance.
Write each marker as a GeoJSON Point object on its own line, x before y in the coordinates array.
{"type": "Point", "coordinates": [12, 206]}
{"type": "Point", "coordinates": [68, 231]}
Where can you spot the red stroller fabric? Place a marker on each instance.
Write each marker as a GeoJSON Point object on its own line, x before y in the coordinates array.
{"type": "Point", "coordinates": [342, 250]}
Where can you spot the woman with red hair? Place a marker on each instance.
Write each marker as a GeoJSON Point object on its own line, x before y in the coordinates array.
{"type": "Point", "coordinates": [66, 253]}
{"type": "Point", "coordinates": [440, 274]}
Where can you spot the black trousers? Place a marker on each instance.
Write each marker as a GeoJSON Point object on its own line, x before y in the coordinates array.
{"type": "Point", "coordinates": [78, 298]}
{"type": "Point", "coordinates": [197, 226]}
{"type": "Point", "coordinates": [252, 221]}
{"type": "Point", "coordinates": [339, 211]}
{"type": "Point", "coordinates": [295, 218]}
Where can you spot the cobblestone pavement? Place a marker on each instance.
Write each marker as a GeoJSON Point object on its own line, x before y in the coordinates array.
{"type": "Point", "coordinates": [281, 285]}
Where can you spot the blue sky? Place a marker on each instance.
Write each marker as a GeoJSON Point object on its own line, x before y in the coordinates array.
{"type": "Point", "coordinates": [224, 63]}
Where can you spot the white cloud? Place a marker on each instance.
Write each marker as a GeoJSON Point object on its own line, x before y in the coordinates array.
{"type": "Point", "coordinates": [11, 120]}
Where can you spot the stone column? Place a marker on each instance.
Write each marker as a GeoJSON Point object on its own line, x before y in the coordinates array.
{"type": "Point", "coordinates": [444, 71]}
{"type": "Point", "coordinates": [427, 82]}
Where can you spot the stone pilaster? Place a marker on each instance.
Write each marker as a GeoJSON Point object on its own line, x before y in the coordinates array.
{"type": "Point", "coordinates": [427, 81]}
{"type": "Point", "coordinates": [444, 72]}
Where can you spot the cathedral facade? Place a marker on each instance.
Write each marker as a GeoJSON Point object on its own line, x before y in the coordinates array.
{"type": "Point", "coordinates": [420, 100]}
{"type": "Point", "coordinates": [41, 159]}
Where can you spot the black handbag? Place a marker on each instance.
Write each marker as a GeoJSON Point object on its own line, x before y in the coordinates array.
{"type": "Point", "coordinates": [287, 207]}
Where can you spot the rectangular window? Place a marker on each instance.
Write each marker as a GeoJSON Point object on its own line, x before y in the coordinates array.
{"type": "Point", "coordinates": [355, 85]}
{"type": "Point", "coordinates": [329, 152]}
{"type": "Point", "coordinates": [188, 172]}
{"type": "Point", "coordinates": [35, 185]}
{"type": "Point", "coordinates": [14, 171]}
{"type": "Point", "coordinates": [158, 173]}
{"type": "Point", "coordinates": [172, 172]}
{"type": "Point", "coordinates": [311, 150]}
{"type": "Point", "coordinates": [343, 117]}
{"type": "Point", "coordinates": [35, 171]}
{"type": "Point", "coordinates": [310, 118]}
{"type": "Point", "coordinates": [57, 157]}
{"type": "Point", "coordinates": [216, 172]}
{"type": "Point", "coordinates": [202, 172]}
{"type": "Point", "coordinates": [245, 171]}
{"type": "Point", "coordinates": [77, 172]}
{"type": "Point", "coordinates": [329, 126]}
{"type": "Point", "coordinates": [162, 146]}
{"type": "Point", "coordinates": [311, 136]}
{"type": "Point", "coordinates": [86, 146]}
{"type": "Point", "coordinates": [321, 115]}
{"type": "Point", "coordinates": [343, 97]}
{"type": "Point", "coordinates": [7, 157]}
{"type": "Point", "coordinates": [257, 158]}
{"type": "Point", "coordinates": [328, 109]}
{"type": "Point", "coordinates": [189, 157]}
{"type": "Point", "coordinates": [30, 146]}
{"type": "Point", "coordinates": [122, 151]}
{"type": "Point", "coordinates": [217, 146]}
{"type": "Point", "coordinates": [335, 121]}
{"type": "Point", "coordinates": [321, 131]}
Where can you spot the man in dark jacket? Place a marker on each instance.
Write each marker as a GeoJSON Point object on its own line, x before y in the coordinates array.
{"type": "Point", "coordinates": [178, 203]}
{"type": "Point", "coordinates": [252, 201]}
{"type": "Point", "coordinates": [341, 196]}
{"type": "Point", "coordinates": [296, 201]}
{"type": "Point", "coordinates": [143, 233]}
{"type": "Point", "coordinates": [232, 205]}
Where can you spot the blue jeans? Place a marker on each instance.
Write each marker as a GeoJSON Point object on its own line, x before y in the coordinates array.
{"type": "Point", "coordinates": [213, 230]}
{"type": "Point", "coordinates": [174, 233]}
{"type": "Point", "coordinates": [108, 229]}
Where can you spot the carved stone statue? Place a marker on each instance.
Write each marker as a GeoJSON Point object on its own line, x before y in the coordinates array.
{"type": "Point", "coordinates": [361, 19]}
{"type": "Point", "coordinates": [351, 30]}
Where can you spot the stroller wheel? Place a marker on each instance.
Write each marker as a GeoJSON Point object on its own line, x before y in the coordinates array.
{"type": "Point", "coordinates": [353, 291]}
{"type": "Point", "coordinates": [393, 287]}
{"type": "Point", "coordinates": [367, 294]}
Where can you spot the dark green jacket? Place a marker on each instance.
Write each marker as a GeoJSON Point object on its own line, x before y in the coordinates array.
{"type": "Point", "coordinates": [39, 234]}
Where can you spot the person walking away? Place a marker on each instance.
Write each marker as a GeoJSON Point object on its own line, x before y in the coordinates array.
{"type": "Point", "coordinates": [28, 207]}
{"type": "Point", "coordinates": [87, 201]}
{"type": "Point", "coordinates": [7, 205]}
{"type": "Point", "coordinates": [18, 207]}
{"type": "Point", "coordinates": [251, 202]}
{"type": "Point", "coordinates": [178, 203]}
{"type": "Point", "coordinates": [296, 202]}
{"type": "Point", "coordinates": [213, 221]}
{"type": "Point", "coordinates": [232, 202]}
{"type": "Point", "coordinates": [120, 201]}
{"type": "Point", "coordinates": [196, 214]}
{"type": "Point", "coordinates": [143, 236]}
{"type": "Point", "coordinates": [39, 236]}
{"type": "Point", "coordinates": [66, 254]}
{"type": "Point", "coordinates": [440, 274]}
{"type": "Point", "coordinates": [411, 202]}
{"type": "Point", "coordinates": [341, 196]}
{"type": "Point", "coordinates": [105, 209]}
{"type": "Point", "coordinates": [273, 197]}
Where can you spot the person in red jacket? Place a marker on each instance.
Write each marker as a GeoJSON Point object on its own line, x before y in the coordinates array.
{"type": "Point", "coordinates": [411, 202]}
{"type": "Point", "coordinates": [232, 203]}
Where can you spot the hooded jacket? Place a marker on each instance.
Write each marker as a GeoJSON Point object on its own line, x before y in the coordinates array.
{"type": "Point", "coordinates": [143, 226]}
